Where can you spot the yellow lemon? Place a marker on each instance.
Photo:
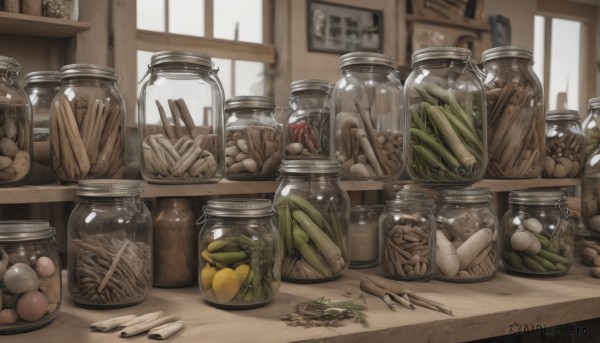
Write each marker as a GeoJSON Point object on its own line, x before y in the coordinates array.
{"type": "Point", "coordinates": [226, 284]}
{"type": "Point", "coordinates": [242, 271]}
{"type": "Point", "coordinates": [206, 276]}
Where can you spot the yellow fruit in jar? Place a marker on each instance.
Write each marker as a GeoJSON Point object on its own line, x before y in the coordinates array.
{"type": "Point", "coordinates": [242, 270]}
{"type": "Point", "coordinates": [226, 284]}
{"type": "Point", "coordinates": [207, 275]}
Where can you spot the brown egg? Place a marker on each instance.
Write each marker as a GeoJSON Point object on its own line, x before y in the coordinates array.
{"type": "Point", "coordinates": [44, 267]}
{"type": "Point", "coordinates": [32, 306]}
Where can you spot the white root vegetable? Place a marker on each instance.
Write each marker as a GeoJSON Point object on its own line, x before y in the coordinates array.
{"type": "Point", "coordinates": [145, 327]}
{"type": "Point", "coordinates": [145, 318]}
{"type": "Point", "coordinates": [473, 246]}
{"type": "Point", "coordinates": [112, 323]}
{"type": "Point", "coordinates": [534, 247]}
{"type": "Point", "coordinates": [446, 256]}
{"type": "Point", "coordinates": [520, 240]}
{"type": "Point", "coordinates": [533, 225]}
{"type": "Point", "coordinates": [166, 330]}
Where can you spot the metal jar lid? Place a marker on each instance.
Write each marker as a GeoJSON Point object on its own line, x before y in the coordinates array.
{"type": "Point", "coordinates": [180, 56]}
{"type": "Point", "coordinates": [249, 101]}
{"type": "Point", "coordinates": [310, 166]}
{"type": "Point", "coordinates": [506, 52]}
{"type": "Point", "coordinates": [537, 197]}
{"type": "Point", "coordinates": [440, 53]}
{"type": "Point", "coordinates": [594, 103]}
{"type": "Point", "coordinates": [354, 58]}
{"type": "Point", "coordinates": [239, 208]}
{"type": "Point", "coordinates": [24, 230]}
{"type": "Point", "coordinates": [87, 70]}
{"type": "Point", "coordinates": [310, 85]}
{"type": "Point", "coordinates": [109, 188]}
{"type": "Point", "coordinates": [10, 64]}
{"type": "Point", "coordinates": [49, 76]}
{"type": "Point", "coordinates": [558, 115]}
{"type": "Point", "coordinates": [463, 195]}
{"type": "Point", "coordinates": [409, 199]}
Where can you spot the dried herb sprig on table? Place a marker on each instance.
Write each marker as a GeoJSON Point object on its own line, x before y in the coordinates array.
{"type": "Point", "coordinates": [324, 312]}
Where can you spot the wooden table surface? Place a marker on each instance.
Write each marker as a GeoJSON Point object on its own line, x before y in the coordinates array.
{"type": "Point", "coordinates": [481, 310]}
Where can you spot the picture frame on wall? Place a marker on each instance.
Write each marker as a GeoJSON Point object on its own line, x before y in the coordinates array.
{"type": "Point", "coordinates": [335, 28]}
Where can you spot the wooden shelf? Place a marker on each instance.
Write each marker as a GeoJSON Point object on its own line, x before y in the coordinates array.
{"type": "Point", "coordinates": [481, 310]}
{"type": "Point", "coordinates": [466, 25]}
{"type": "Point", "coordinates": [29, 25]}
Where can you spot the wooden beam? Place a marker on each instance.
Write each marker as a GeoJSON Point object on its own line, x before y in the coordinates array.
{"type": "Point", "coordinates": [547, 59]}
{"type": "Point", "coordinates": [209, 19]}
{"type": "Point", "coordinates": [568, 9]}
{"type": "Point", "coordinates": [124, 54]}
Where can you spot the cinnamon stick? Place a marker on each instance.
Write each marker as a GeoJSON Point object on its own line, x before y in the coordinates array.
{"type": "Point", "coordinates": [67, 158]}
{"type": "Point", "coordinates": [186, 116]}
{"type": "Point", "coordinates": [55, 139]}
{"type": "Point", "coordinates": [165, 121]}
{"type": "Point", "coordinates": [72, 131]}
{"type": "Point", "coordinates": [176, 116]}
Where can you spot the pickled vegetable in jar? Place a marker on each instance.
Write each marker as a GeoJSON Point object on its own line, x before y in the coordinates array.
{"type": "Point", "coordinates": [565, 155]}
{"type": "Point", "coordinates": [590, 191]}
{"type": "Point", "coordinates": [591, 126]}
{"type": "Point", "coordinates": [445, 131]}
{"type": "Point", "coordinates": [538, 236]}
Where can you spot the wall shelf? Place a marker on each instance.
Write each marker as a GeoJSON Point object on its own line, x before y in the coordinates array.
{"type": "Point", "coordinates": [29, 25]}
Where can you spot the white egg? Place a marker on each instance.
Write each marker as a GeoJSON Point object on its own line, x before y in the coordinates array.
{"type": "Point", "coordinates": [20, 278]}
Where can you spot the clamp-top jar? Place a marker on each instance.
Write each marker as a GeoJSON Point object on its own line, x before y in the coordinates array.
{"type": "Point", "coordinates": [30, 276]}
{"type": "Point", "coordinates": [42, 87]}
{"type": "Point", "coordinates": [515, 119]}
{"type": "Point", "coordinates": [537, 234]}
{"type": "Point", "coordinates": [307, 130]}
{"type": "Point", "coordinates": [15, 126]}
{"type": "Point", "coordinates": [591, 127]}
{"type": "Point", "coordinates": [313, 212]}
{"type": "Point", "coordinates": [110, 245]}
{"type": "Point", "coordinates": [240, 255]}
{"type": "Point", "coordinates": [445, 131]}
{"type": "Point", "coordinates": [181, 119]}
{"type": "Point", "coordinates": [253, 138]}
{"type": "Point", "coordinates": [369, 112]}
{"type": "Point", "coordinates": [87, 124]}
{"type": "Point", "coordinates": [565, 144]}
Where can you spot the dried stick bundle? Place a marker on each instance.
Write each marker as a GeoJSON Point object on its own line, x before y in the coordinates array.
{"type": "Point", "coordinates": [406, 251]}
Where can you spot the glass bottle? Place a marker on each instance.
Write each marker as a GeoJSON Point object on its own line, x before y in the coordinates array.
{"type": "Point", "coordinates": [240, 256]}
{"type": "Point", "coordinates": [61, 9]}
{"type": "Point", "coordinates": [181, 119]}
{"type": "Point", "coordinates": [408, 234]}
{"type": "Point", "coordinates": [515, 119]}
{"type": "Point", "coordinates": [591, 127]}
{"type": "Point", "coordinates": [445, 131]}
{"type": "Point", "coordinates": [109, 245]}
{"type": "Point", "coordinates": [565, 144]}
{"type": "Point", "coordinates": [42, 87]}
{"type": "Point", "coordinates": [590, 191]}
{"type": "Point", "coordinates": [175, 250]}
{"type": "Point", "coordinates": [30, 276]}
{"type": "Point", "coordinates": [87, 125]}
{"type": "Point", "coordinates": [369, 117]}
{"type": "Point", "coordinates": [253, 139]}
{"type": "Point", "coordinates": [307, 130]}
{"type": "Point", "coordinates": [363, 235]}
{"type": "Point", "coordinates": [537, 234]}
{"type": "Point", "coordinates": [15, 126]}
{"type": "Point", "coordinates": [313, 217]}
{"type": "Point", "coordinates": [467, 235]}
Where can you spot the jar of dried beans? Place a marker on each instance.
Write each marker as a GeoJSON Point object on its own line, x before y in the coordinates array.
{"type": "Point", "coordinates": [515, 121]}
{"type": "Point", "coordinates": [30, 276]}
{"type": "Point", "coordinates": [313, 217]}
{"type": "Point", "coordinates": [445, 131]}
{"type": "Point", "coordinates": [109, 245]}
{"type": "Point", "coordinates": [467, 235]}
{"type": "Point", "coordinates": [307, 130]}
{"type": "Point", "coordinates": [42, 87]}
{"type": "Point", "coordinates": [407, 229]}
{"type": "Point", "coordinates": [181, 119]}
{"type": "Point", "coordinates": [591, 126]}
{"type": "Point", "coordinates": [538, 235]}
{"type": "Point", "coordinates": [15, 126]}
{"type": "Point", "coordinates": [87, 125]}
{"type": "Point", "coordinates": [565, 154]}
{"type": "Point", "coordinates": [240, 256]}
{"type": "Point", "coordinates": [253, 138]}
{"type": "Point", "coordinates": [369, 117]}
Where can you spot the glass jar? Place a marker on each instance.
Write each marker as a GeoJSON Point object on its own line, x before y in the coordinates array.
{"type": "Point", "coordinates": [467, 239]}
{"type": "Point", "coordinates": [590, 191]}
{"type": "Point", "coordinates": [537, 234]}
{"type": "Point", "coordinates": [87, 124]}
{"type": "Point", "coordinates": [30, 277]}
{"type": "Point", "coordinates": [109, 245]}
{"type": "Point", "coordinates": [61, 9]}
{"type": "Point", "coordinates": [181, 119]}
{"type": "Point", "coordinates": [307, 129]}
{"type": "Point", "coordinates": [175, 249]}
{"type": "Point", "coordinates": [42, 87]}
{"type": "Point", "coordinates": [445, 131]}
{"type": "Point", "coordinates": [591, 127]}
{"type": "Point", "coordinates": [369, 117]}
{"type": "Point", "coordinates": [363, 236]}
{"type": "Point", "coordinates": [565, 144]}
{"type": "Point", "coordinates": [313, 216]}
{"type": "Point", "coordinates": [240, 253]}
{"type": "Point", "coordinates": [515, 117]}
{"type": "Point", "coordinates": [253, 139]}
{"type": "Point", "coordinates": [407, 229]}
{"type": "Point", "coordinates": [15, 126]}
